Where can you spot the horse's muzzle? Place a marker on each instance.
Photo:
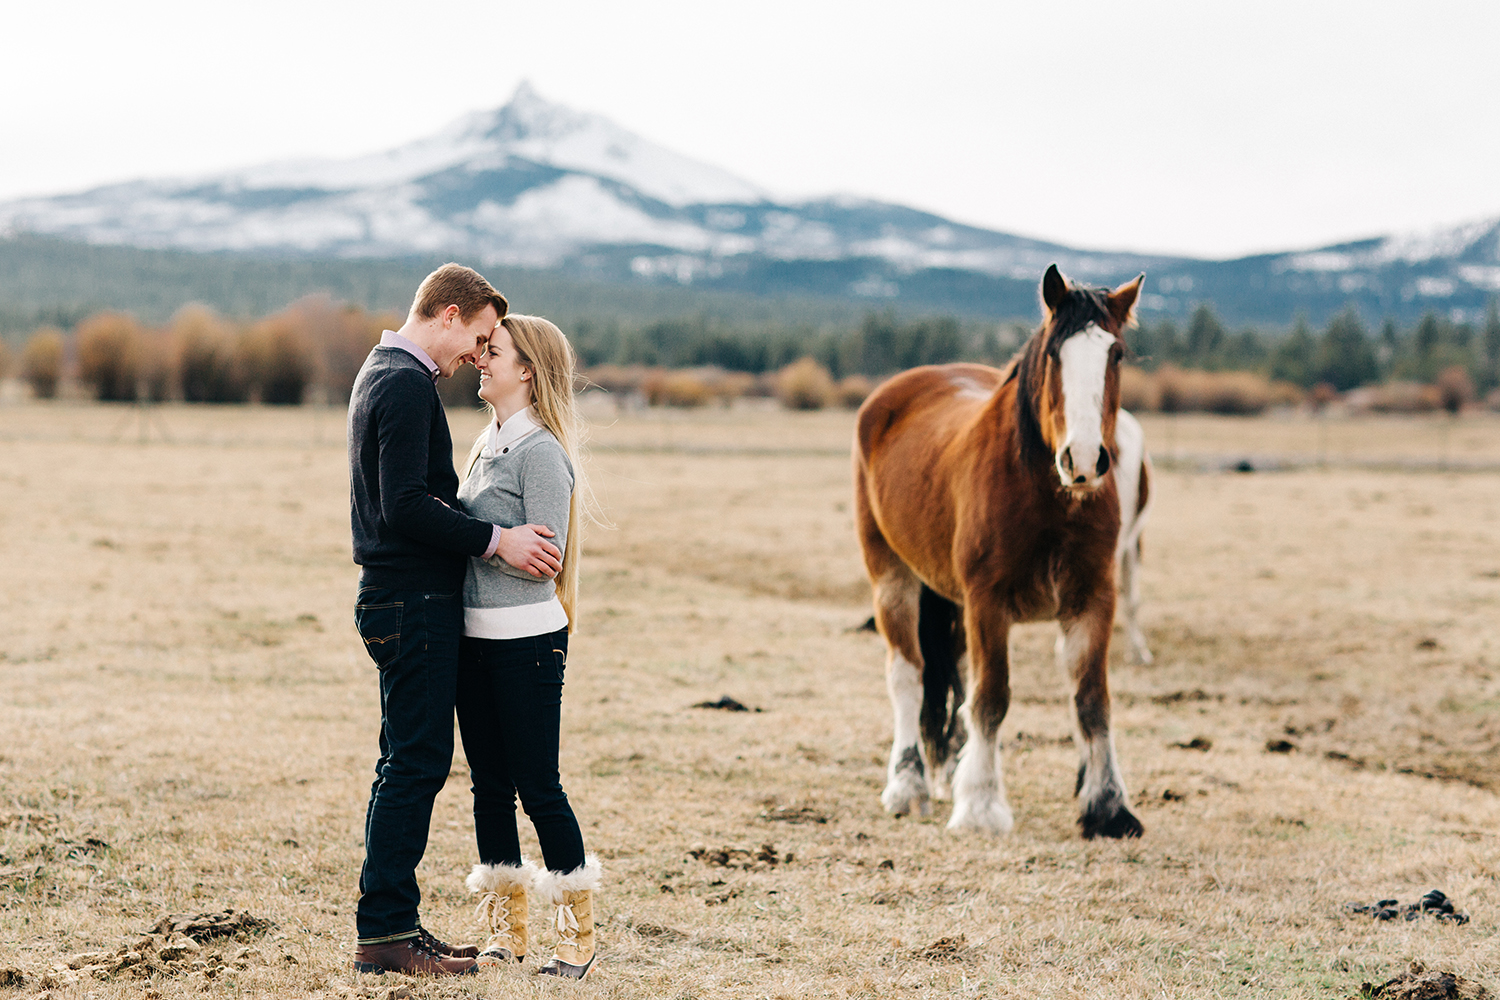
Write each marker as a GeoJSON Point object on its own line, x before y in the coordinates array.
{"type": "Point", "coordinates": [1082, 477]}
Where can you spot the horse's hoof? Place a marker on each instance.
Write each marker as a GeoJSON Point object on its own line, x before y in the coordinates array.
{"type": "Point", "coordinates": [1118, 826]}
{"type": "Point", "coordinates": [987, 817]}
{"type": "Point", "coordinates": [903, 800]}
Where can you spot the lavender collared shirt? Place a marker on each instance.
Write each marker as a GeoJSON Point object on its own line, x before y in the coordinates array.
{"type": "Point", "coordinates": [390, 338]}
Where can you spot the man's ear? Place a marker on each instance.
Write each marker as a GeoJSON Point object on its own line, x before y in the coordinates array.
{"type": "Point", "coordinates": [450, 314]}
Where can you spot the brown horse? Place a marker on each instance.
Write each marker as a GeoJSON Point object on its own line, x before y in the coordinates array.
{"type": "Point", "coordinates": [984, 499]}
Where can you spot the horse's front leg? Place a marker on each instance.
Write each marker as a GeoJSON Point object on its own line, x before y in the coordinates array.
{"type": "Point", "coordinates": [978, 783]}
{"type": "Point", "coordinates": [1083, 654]}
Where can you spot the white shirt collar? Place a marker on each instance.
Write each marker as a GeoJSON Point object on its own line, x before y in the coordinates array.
{"type": "Point", "coordinates": [391, 338]}
{"type": "Point", "coordinates": [503, 437]}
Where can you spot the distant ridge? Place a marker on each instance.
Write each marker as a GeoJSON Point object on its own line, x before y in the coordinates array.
{"type": "Point", "coordinates": [537, 185]}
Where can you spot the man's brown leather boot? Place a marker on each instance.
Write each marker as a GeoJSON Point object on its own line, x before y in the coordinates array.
{"type": "Point", "coordinates": [444, 948]}
{"type": "Point", "coordinates": [410, 956]}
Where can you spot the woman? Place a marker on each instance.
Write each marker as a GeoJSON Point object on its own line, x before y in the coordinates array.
{"type": "Point", "coordinates": [524, 469]}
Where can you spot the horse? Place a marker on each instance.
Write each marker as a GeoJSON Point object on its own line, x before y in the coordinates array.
{"type": "Point", "coordinates": [983, 499]}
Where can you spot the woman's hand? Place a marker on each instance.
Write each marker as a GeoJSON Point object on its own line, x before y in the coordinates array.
{"type": "Point", "coordinates": [526, 548]}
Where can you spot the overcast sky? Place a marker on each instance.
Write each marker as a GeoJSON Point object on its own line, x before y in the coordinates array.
{"type": "Point", "coordinates": [1187, 127]}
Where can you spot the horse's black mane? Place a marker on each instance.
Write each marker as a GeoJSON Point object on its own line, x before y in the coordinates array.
{"type": "Point", "coordinates": [1081, 307]}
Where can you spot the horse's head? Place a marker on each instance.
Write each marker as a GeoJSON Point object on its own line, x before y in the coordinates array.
{"type": "Point", "coordinates": [1075, 375]}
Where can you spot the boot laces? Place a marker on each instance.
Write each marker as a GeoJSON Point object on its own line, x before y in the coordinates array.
{"type": "Point", "coordinates": [495, 909]}
{"type": "Point", "coordinates": [567, 925]}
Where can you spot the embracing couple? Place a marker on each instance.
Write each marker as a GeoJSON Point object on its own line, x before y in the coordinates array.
{"type": "Point", "coordinates": [466, 597]}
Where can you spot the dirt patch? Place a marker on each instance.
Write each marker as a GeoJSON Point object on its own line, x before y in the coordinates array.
{"type": "Point", "coordinates": [174, 947]}
{"type": "Point", "coordinates": [1419, 984]}
{"type": "Point", "coordinates": [794, 814]}
{"type": "Point", "coordinates": [945, 949]}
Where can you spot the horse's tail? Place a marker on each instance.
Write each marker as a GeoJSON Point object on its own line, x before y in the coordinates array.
{"type": "Point", "coordinates": [939, 636]}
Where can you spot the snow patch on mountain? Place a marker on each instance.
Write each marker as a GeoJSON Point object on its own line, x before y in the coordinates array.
{"type": "Point", "coordinates": [531, 128]}
{"type": "Point", "coordinates": [1418, 247]}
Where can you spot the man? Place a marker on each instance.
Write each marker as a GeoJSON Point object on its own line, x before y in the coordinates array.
{"type": "Point", "coordinates": [413, 545]}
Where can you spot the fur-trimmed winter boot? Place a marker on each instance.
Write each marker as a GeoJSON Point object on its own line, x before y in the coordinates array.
{"type": "Point", "coordinates": [502, 909]}
{"type": "Point", "coordinates": [572, 897]}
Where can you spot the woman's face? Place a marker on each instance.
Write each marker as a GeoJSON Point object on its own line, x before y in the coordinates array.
{"type": "Point", "coordinates": [502, 377]}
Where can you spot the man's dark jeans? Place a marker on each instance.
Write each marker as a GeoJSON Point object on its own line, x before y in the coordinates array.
{"type": "Point", "coordinates": [509, 710]}
{"type": "Point", "coordinates": [413, 638]}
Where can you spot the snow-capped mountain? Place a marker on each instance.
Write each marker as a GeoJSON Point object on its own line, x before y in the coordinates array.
{"type": "Point", "coordinates": [539, 185]}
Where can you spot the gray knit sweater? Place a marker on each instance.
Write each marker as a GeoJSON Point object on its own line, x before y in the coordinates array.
{"type": "Point", "coordinates": [514, 482]}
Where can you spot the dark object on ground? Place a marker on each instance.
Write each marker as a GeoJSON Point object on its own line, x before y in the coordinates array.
{"type": "Point", "coordinates": [1435, 904]}
{"type": "Point", "coordinates": [1280, 746]}
{"type": "Point", "coordinates": [206, 926]}
{"type": "Point", "coordinates": [1196, 743]}
{"type": "Point", "coordinates": [794, 814]}
{"type": "Point", "coordinates": [868, 625]}
{"type": "Point", "coordinates": [1419, 984]}
{"type": "Point", "coordinates": [727, 704]}
{"type": "Point", "coordinates": [12, 978]}
{"type": "Point", "coordinates": [738, 857]}
{"type": "Point", "coordinates": [1244, 465]}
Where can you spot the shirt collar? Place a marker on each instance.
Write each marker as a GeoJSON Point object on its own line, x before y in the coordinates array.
{"type": "Point", "coordinates": [502, 437]}
{"type": "Point", "coordinates": [390, 338]}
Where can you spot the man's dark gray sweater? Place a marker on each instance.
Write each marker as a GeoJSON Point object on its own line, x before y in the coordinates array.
{"type": "Point", "coordinates": [403, 491]}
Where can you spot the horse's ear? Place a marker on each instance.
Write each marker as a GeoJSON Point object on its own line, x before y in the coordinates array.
{"type": "Point", "coordinates": [1122, 301]}
{"type": "Point", "coordinates": [1054, 288]}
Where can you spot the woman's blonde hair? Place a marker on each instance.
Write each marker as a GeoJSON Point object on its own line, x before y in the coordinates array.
{"type": "Point", "coordinates": [544, 350]}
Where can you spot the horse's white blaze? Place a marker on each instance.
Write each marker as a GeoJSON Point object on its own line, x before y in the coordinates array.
{"type": "Point", "coordinates": [906, 783]}
{"type": "Point", "coordinates": [1085, 360]}
{"type": "Point", "coordinates": [978, 787]}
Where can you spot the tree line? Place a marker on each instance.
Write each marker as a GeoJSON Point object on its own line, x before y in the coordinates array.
{"type": "Point", "coordinates": [1344, 355]}
{"type": "Point", "coordinates": [314, 347]}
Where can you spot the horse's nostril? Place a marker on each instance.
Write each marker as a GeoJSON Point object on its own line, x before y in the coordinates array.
{"type": "Point", "coordinates": [1103, 465]}
{"type": "Point", "coordinates": [1078, 480]}
{"type": "Point", "coordinates": [1067, 460]}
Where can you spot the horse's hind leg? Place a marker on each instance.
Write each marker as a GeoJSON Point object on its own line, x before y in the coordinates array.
{"type": "Point", "coordinates": [1082, 652]}
{"type": "Point", "coordinates": [897, 597]}
{"type": "Point", "coordinates": [978, 785]}
{"type": "Point", "coordinates": [940, 638]}
{"type": "Point", "coordinates": [1130, 590]}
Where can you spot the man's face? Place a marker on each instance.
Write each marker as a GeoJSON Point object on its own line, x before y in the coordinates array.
{"type": "Point", "coordinates": [460, 341]}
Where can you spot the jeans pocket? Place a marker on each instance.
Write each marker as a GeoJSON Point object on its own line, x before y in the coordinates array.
{"type": "Point", "coordinates": [380, 627]}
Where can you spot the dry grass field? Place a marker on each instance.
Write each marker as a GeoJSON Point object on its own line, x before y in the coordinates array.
{"type": "Point", "coordinates": [188, 723]}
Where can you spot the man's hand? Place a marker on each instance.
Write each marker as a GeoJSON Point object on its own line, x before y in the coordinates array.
{"type": "Point", "coordinates": [526, 548]}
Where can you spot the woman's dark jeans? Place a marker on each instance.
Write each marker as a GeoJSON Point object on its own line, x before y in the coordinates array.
{"type": "Point", "coordinates": [413, 637]}
{"type": "Point", "coordinates": [509, 711]}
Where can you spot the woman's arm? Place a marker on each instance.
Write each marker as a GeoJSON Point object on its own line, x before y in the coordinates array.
{"type": "Point", "coordinates": [546, 494]}
{"type": "Point", "coordinates": [547, 489]}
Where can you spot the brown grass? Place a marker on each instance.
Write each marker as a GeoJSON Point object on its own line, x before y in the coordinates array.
{"type": "Point", "coordinates": [1187, 390]}
{"type": "Point", "coordinates": [183, 685]}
